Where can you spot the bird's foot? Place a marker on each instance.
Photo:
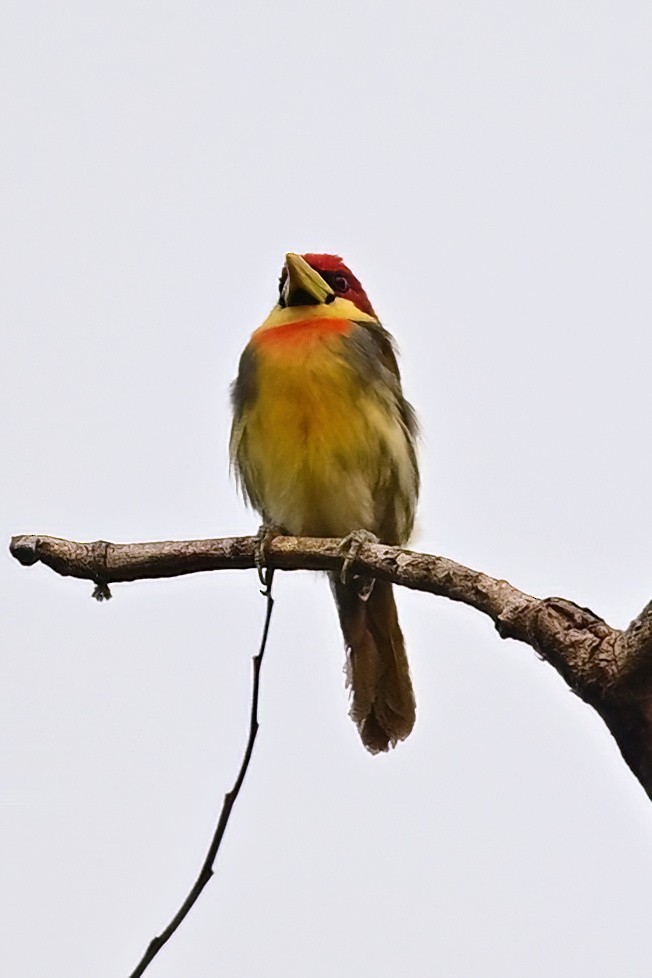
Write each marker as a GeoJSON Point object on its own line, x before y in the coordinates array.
{"type": "Point", "coordinates": [350, 547]}
{"type": "Point", "coordinates": [264, 536]}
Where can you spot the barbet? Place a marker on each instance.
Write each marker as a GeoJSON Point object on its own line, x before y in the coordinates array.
{"type": "Point", "coordinates": [323, 445]}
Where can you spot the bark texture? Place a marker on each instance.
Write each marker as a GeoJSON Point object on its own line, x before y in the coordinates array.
{"type": "Point", "coordinates": [610, 669]}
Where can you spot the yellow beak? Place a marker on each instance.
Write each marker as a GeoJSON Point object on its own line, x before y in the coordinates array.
{"type": "Point", "coordinates": [304, 286]}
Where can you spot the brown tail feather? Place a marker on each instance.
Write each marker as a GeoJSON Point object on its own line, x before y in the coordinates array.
{"type": "Point", "coordinates": [382, 699]}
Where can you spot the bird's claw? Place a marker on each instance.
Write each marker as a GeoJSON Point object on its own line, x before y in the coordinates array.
{"type": "Point", "coordinates": [350, 547]}
{"type": "Point", "coordinates": [265, 535]}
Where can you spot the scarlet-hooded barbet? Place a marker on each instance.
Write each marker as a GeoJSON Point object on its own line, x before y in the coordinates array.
{"type": "Point", "coordinates": [323, 444]}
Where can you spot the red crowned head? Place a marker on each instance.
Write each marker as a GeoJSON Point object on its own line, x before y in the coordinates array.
{"type": "Point", "coordinates": [339, 280]}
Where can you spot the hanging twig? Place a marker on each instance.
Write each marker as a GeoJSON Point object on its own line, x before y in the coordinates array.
{"type": "Point", "coordinates": [206, 871]}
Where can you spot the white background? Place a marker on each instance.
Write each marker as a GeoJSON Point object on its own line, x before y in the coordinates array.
{"type": "Point", "coordinates": [485, 170]}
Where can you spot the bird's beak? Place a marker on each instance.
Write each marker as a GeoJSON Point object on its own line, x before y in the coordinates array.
{"type": "Point", "coordinates": [304, 286]}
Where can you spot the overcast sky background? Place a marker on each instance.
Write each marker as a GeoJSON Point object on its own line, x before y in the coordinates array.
{"type": "Point", "coordinates": [485, 170]}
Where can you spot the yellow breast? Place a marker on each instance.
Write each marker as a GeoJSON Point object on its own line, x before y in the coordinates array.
{"type": "Point", "coordinates": [318, 448]}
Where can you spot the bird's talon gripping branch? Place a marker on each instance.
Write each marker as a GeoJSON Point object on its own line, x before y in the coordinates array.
{"type": "Point", "coordinates": [264, 537]}
{"type": "Point", "coordinates": [350, 547]}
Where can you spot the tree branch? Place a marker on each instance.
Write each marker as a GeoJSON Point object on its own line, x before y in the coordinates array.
{"type": "Point", "coordinates": [609, 669]}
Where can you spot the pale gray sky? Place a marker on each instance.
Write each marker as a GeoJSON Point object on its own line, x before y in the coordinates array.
{"type": "Point", "coordinates": [485, 169]}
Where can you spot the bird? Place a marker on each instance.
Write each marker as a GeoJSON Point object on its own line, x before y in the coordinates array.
{"type": "Point", "coordinates": [323, 444]}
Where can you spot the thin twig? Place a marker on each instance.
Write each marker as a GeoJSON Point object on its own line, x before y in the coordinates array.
{"type": "Point", "coordinates": [206, 871]}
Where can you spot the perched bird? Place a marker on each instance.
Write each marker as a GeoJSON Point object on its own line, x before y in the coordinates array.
{"type": "Point", "coordinates": [323, 445]}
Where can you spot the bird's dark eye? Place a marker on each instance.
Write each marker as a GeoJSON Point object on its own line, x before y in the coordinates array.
{"type": "Point", "coordinates": [340, 283]}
